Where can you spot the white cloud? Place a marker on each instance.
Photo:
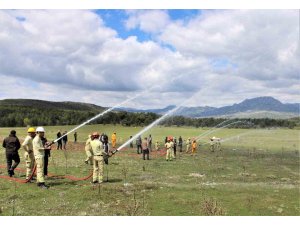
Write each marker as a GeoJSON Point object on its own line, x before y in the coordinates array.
{"type": "Point", "coordinates": [72, 55]}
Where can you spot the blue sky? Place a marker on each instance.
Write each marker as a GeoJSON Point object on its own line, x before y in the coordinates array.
{"type": "Point", "coordinates": [115, 19]}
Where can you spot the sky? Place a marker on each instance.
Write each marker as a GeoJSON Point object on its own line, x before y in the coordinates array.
{"type": "Point", "coordinates": [103, 57]}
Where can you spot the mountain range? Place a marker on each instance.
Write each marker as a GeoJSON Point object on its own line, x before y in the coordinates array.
{"type": "Point", "coordinates": [260, 107]}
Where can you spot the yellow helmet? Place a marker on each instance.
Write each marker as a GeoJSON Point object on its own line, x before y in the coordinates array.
{"type": "Point", "coordinates": [31, 130]}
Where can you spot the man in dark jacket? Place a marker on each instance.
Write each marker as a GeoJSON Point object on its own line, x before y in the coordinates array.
{"type": "Point", "coordinates": [65, 140]}
{"type": "Point", "coordinates": [12, 145]}
{"type": "Point", "coordinates": [180, 142]}
{"type": "Point", "coordinates": [59, 143]}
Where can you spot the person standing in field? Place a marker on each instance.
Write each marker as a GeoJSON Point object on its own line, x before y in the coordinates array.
{"type": "Point", "coordinates": [131, 143]}
{"type": "Point", "coordinates": [75, 137]}
{"type": "Point", "coordinates": [180, 143]}
{"type": "Point", "coordinates": [65, 140]}
{"type": "Point", "coordinates": [39, 154]}
{"type": "Point", "coordinates": [212, 144]}
{"type": "Point", "coordinates": [47, 155]}
{"type": "Point", "coordinates": [194, 147]}
{"type": "Point", "coordinates": [88, 151]}
{"type": "Point", "coordinates": [174, 147]}
{"type": "Point", "coordinates": [150, 143]}
{"type": "Point", "coordinates": [157, 146]}
{"type": "Point", "coordinates": [114, 139]}
{"type": "Point", "coordinates": [188, 145]}
{"type": "Point", "coordinates": [98, 153]}
{"type": "Point", "coordinates": [169, 147]}
{"type": "Point", "coordinates": [139, 144]}
{"type": "Point", "coordinates": [145, 149]}
{"type": "Point", "coordinates": [28, 151]}
{"type": "Point", "coordinates": [59, 142]}
{"type": "Point", "coordinates": [12, 145]}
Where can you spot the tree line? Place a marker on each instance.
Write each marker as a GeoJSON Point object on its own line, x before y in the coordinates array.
{"type": "Point", "coordinates": [17, 116]}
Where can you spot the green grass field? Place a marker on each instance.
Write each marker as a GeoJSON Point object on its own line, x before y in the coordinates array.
{"type": "Point", "coordinates": [257, 173]}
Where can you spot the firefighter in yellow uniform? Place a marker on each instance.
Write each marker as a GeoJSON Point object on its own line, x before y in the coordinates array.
{"type": "Point", "coordinates": [28, 148]}
{"type": "Point", "coordinates": [212, 144]}
{"type": "Point", "coordinates": [39, 153]}
{"type": "Point", "coordinates": [98, 152]}
{"type": "Point", "coordinates": [188, 145]}
{"type": "Point", "coordinates": [194, 147]}
{"type": "Point", "coordinates": [88, 151]}
{"type": "Point", "coordinates": [169, 146]}
{"type": "Point", "coordinates": [114, 139]}
{"type": "Point", "coordinates": [157, 146]}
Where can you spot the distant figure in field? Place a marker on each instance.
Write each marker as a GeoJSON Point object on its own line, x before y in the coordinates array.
{"type": "Point", "coordinates": [59, 142]}
{"type": "Point", "coordinates": [194, 147]}
{"type": "Point", "coordinates": [180, 143]}
{"type": "Point", "coordinates": [145, 148]}
{"type": "Point", "coordinates": [169, 146]}
{"type": "Point", "coordinates": [88, 151]}
{"type": "Point", "coordinates": [139, 144]}
{"type": "Point", "coordinates": [188, 145]}
{"type": "Point", "coordinates": [12, 145]}
{"type": "Point", "coordinates": [166, 140]}
{"type": "Point", "coordinates": [157, 146]}
{"type": "Point", "coordinates": [175, 146]}
{"type": "Point", "coordinates": [150, 143]}
{"type": "Point", "coordinates": [75, 137]}
{"type": "Point", "coordinates": [131, 143]}
{"type": "Point", "coordinates": [114, 139]}
{"type": "Point", "coordinates": [65, 140]}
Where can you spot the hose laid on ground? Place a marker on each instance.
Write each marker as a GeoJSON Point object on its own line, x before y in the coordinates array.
{"type": "Point", "coordinates": [21, 181]}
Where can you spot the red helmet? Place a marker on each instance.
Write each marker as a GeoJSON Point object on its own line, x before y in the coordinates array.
{"type": "Point", "coordinates": [170, 138]}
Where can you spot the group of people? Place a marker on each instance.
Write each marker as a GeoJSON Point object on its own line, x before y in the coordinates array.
{"type": "Point", "coordinates": [36, 151]}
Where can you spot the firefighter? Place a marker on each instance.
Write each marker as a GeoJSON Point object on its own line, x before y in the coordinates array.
{"type": "Point", "coordinates": [194, 147]}
{"type": "Point", "coordinates": [98, 153]}
{"type": "Point", "coordinates": [12, 145]}
{"type": "Point", "coordinates": [28, 151]}
{"type": "Point", "coordinates": [88, 151]}
{"type": "Point", "coordinates": [212, 144]}
{"type": "Point", "coordinates": [169, 146]}
{"type": "Point", "coordinates": [131, 143]}
{"type": "Point", "coordinates": [114, 139]}
{"type": "Point", "coordinates": [157, 146]}
{"type": "Point", "coordinates": [218, 144]}
{"type": "Point", "coordinates": [188, 145]}
{"type": "Point", "coordinates": [39, 153]}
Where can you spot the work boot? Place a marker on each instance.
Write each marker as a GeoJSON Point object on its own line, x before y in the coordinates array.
{"type": "Point", "coordinates": [94, 182]}
{"type": "Point", "coordinates": [42, 185]}
{"type": "Point", "coordinates": [11, 172]}
{"type": "Point", "coordinates": [86, 162]}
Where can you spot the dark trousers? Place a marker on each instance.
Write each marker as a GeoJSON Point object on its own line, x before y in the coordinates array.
{"type": "Point", "coordinates": [174, 150]}
{"type": "Point", "coordinates": [46, 160]}
{"type": "Point", "coordinates": [180, 147]}
{"type": "Point", "coordinates": [59, 145]}
{"type": "Point", "coordinates": [138, 149]}
{"type": "Point", "coordinates": [106, 150]}
{"type": "Point", "coordinates": [146, 153]}
{"type": "Point", "coordinates": [65, 144]}
{"type": "Point", "coordinates": [10, 157]}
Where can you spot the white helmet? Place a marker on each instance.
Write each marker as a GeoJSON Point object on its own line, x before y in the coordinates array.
{"type": "Point", "coordinates": [40, 129]}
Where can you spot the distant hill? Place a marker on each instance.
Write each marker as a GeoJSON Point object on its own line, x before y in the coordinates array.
{"type": "Point", "coordinates": [41, 104]}
{"type": "Point", "coordinates": [260, 107]}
